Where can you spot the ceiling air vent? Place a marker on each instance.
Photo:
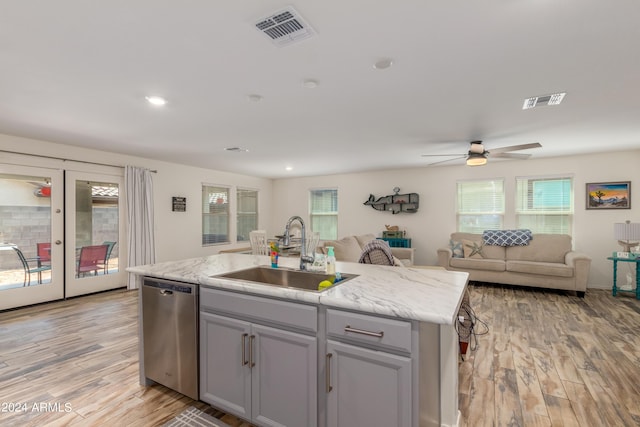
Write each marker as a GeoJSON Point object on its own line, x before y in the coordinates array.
{"type": "Point", "coordinates": [285, 27]}
{"type": "Point", "coordinates": [539, 101]}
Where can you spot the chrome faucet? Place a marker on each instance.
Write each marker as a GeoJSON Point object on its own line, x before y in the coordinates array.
{"type": "Point", "coordinates": [286, 240]}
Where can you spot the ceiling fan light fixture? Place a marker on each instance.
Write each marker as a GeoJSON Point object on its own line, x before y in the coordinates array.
{"type": "Point", "coordinates": [476, 159]}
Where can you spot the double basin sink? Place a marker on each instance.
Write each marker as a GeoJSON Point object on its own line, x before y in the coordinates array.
{"type": "Point", "coordinates": [284, 277]}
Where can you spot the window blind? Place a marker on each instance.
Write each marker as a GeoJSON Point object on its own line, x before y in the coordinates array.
{"type": "Point", "coordinates": [215, 214]}
{"type": "Point", "coordinates": [545, 204]}
{"type": "Point", "coordinates": [247, 213]}
{"type": "Point", "coordinates": [323, 212]}
{"type": "Point", "coordinates": [480, 205]}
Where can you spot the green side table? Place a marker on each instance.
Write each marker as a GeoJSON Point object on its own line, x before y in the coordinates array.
{"type": "Point", "coordinates": [615, 260]}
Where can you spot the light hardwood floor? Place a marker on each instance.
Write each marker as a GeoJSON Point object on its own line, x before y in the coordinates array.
{"type": "Point", "coordinates": [549, 359]}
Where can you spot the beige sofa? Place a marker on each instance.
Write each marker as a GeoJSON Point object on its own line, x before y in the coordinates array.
{"type": "Point", "coordinates": [548, 261]}
{"type": "Point", "coordinates": [349, 249]}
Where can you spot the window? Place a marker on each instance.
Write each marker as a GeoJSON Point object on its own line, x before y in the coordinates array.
{"type": "Point", "coordinates": [545, 204]}
{"type": "Point", "coordinates": [480, 205]}
{"type": "Point", "coordinates": [247, 217]}
{"type": "Point", "coordinates": [215, 215]}
{"type": "Point", "coordinates": [324, 213]}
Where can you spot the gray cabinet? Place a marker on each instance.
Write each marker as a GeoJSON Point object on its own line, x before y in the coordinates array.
{"type": "Point", "coordinates": [262, 371]}
{"type": "Point", "coordinates": [367, 382]}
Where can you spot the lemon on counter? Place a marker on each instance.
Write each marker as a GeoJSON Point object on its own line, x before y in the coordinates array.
{"type": "Point", "coordinates": [324, 285]}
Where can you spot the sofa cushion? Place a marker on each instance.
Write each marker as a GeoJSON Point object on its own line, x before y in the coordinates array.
{"type": "Point", "coordinates": [542, 268]}
{"type": "Point", "coordinates": [472, 248]}
{"type": "Point", "coordinates": [364, 239]}
{"type": "Point", "coordinates": [478, 264]}
{"type": "Point", "coordinates": [490, 252]}
{"type": "Point", "coordinates": [346, 249]}
{"type": "Point", "coordinates": [542, 248]}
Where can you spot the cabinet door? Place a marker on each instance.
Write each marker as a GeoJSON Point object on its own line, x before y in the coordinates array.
{"type": "Point", "coordinates": [368, 388]}
{"type": "Point", "coordinates": [284, 378]}
{"type": "Point", "coordinates": [225, 375]}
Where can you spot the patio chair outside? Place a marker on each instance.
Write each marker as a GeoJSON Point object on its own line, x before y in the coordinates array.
{"type": "Point", "coordinates": [110, 246]}
{"type": "Point", "coordinates": [92, 259]}
{"type": "Point", "coordinates": [44, 253]}
{"type": "Point", "coordinates": [28, 271]}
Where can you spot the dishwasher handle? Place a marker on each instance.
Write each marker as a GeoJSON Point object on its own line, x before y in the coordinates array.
{"type": "Point", "coordinates": [166, 292]}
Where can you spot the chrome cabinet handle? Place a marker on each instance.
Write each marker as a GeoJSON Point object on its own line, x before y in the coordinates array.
{"type": "Point", "coordinates": [252, 339]}
{"type": "Point", "coordinates": [363, 332]}
{"type": "Point", "coordinates": [244, 344]}
{"type": "Point", "coordinates": [327, 373]}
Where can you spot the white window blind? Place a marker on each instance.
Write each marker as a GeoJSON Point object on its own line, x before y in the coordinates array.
{"type": "Point", "coordinates": [545, 204]}
{"type": "Point", "coordinates": [215, 215]}
{"type": "Point", "coordinates": [323, 211]}
{"type": "Point", "coordinates": [247, 216]}
{"type": "Point", "coordinates": [480, 205]}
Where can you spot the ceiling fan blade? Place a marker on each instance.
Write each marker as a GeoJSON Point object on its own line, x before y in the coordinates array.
{"type": "Point", "coordinates": [448, 160]}
{"type": "Point", "coordinates": [442, 155]}
{"type": "Point", "coordinates": [511, 155]}
{"type": "Point", "coordinates": [515, 148]}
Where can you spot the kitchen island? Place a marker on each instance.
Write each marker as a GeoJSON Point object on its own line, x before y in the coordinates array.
{"type": "Point", "coordinates": [400, 320]}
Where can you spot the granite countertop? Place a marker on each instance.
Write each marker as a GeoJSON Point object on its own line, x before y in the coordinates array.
{"type": "Point", "coordinates": [426, 295]}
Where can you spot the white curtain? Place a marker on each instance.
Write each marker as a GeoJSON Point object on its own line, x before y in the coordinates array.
{"type": "Point", "coordinates": [142, 247]}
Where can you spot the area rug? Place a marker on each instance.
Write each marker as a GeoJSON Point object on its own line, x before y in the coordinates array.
{"type": "Point", "coordinates": [194, 417]}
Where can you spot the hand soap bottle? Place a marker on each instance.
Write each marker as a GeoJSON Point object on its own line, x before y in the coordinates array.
{"type": "Point", "coordinates": [331, 261]}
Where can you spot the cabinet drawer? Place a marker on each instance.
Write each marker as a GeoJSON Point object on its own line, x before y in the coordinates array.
{"type": "Point", "coordinates": [383, 332]}
{"type": "Point", "coordinates": [298, 316]}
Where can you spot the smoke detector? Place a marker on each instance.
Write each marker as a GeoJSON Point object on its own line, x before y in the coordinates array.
{"type": "Point", "coordinates": [285, 27]}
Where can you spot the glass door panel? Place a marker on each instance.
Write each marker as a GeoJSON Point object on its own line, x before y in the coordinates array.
{"type": "Point", "coordinates": [31, 232]}
{"type": "Point", "coordinates": [95, 233]}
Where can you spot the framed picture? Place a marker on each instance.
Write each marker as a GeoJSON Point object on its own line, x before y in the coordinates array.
{"type": "Point", "coordinates": [609, 195]}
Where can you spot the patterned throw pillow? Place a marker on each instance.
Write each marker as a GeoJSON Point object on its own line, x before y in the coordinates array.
{"type": "Point", "coordinates": [472, 249]}
{"type": "Point", "coordinates": [456, 248]}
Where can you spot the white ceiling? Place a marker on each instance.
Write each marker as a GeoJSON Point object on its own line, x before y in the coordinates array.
{"type": "Point", "coordinates": [77, 72]}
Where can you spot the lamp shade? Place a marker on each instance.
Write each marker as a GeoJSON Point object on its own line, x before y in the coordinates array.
{"type": "Point", "coordinates": [476, 159]}
{"type": "Point", "coordinates": [627, 234]}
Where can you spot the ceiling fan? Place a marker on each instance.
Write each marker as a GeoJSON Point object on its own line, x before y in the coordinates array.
{"type": "Point", "coordinates": [478, 156]}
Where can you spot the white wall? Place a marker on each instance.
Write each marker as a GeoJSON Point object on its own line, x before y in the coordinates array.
{"type": "Point", "coordinates": [178, 234]}
{"type": "Point", "coordinates": [430, 227]}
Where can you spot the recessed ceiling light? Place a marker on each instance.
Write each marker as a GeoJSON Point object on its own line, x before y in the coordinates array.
{"type": "Point", "coordinates": [288, 168]}
{"type": "Point", "coordinates": [310, 84]}
{"type": "Point", "coordinates": [539, 101]}
{"type": "Point", "coordinates": [383, 64]}
{"type": "Point", "coordinates": [254, 97]}
{"type": "Point", "coordinates": [156, 100]}
{"type": "Point", "coordinates": [236, 149]}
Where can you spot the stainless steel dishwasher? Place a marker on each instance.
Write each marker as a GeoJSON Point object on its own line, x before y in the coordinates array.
{"type": "Point", "coordinates": [170, 334]}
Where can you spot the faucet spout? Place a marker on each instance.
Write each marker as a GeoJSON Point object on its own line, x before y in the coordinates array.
{"type": "Point", "coordinates": [286, 240]}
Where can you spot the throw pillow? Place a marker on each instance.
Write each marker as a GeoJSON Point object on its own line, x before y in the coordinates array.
{"type": "Point", "coordinates": [456, 248]}
{"type": "Point", "coordinates": [472, 249]}
{"type": "Point", "coordinates": [346, 249]}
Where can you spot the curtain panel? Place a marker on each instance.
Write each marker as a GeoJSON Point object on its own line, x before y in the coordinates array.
{"type": "Point", "coordinates": [141, 238]}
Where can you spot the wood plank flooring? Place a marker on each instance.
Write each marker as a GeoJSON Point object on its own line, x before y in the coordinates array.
{"type": "Point", "coordinates": [549, 359]}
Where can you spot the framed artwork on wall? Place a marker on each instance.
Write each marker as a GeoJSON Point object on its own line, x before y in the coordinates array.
{"type": "Point", "coordinates": [609, 195]}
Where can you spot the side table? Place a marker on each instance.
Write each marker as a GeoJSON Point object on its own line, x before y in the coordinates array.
{"type": "Point", "coordinates": [615, 289]}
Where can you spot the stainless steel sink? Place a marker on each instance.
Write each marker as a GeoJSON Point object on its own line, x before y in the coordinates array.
{"type": "Point", "coordinates": [304, 280]}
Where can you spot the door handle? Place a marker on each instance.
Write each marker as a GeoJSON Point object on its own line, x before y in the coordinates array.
{"type": "Point", "coordinates": [363, 332]}
{"type": "Point", "coordinates": [58, 242]}
{"type": "Point", "coordinates": [244, 343]}
{"type": "Point", "coordinates": [327, 372]}
{"type": "Point", "coordinates": [252, 339]}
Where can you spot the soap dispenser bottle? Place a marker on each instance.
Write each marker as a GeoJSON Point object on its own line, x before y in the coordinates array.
{"type": "Point", "coordinates": [331, 261]}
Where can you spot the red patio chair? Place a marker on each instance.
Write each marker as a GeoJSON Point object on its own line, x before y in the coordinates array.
{"type": "Point", "coordinates": [92, 258]}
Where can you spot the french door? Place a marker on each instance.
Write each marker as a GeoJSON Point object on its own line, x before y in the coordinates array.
{"type": "Point", "coordinates": [31, 235]}
{"type": "Point", "coordinates": [95, 249]}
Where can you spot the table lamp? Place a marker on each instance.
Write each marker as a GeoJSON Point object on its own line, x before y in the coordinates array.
{"type": "Point", "coordinates": [627, 233]}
